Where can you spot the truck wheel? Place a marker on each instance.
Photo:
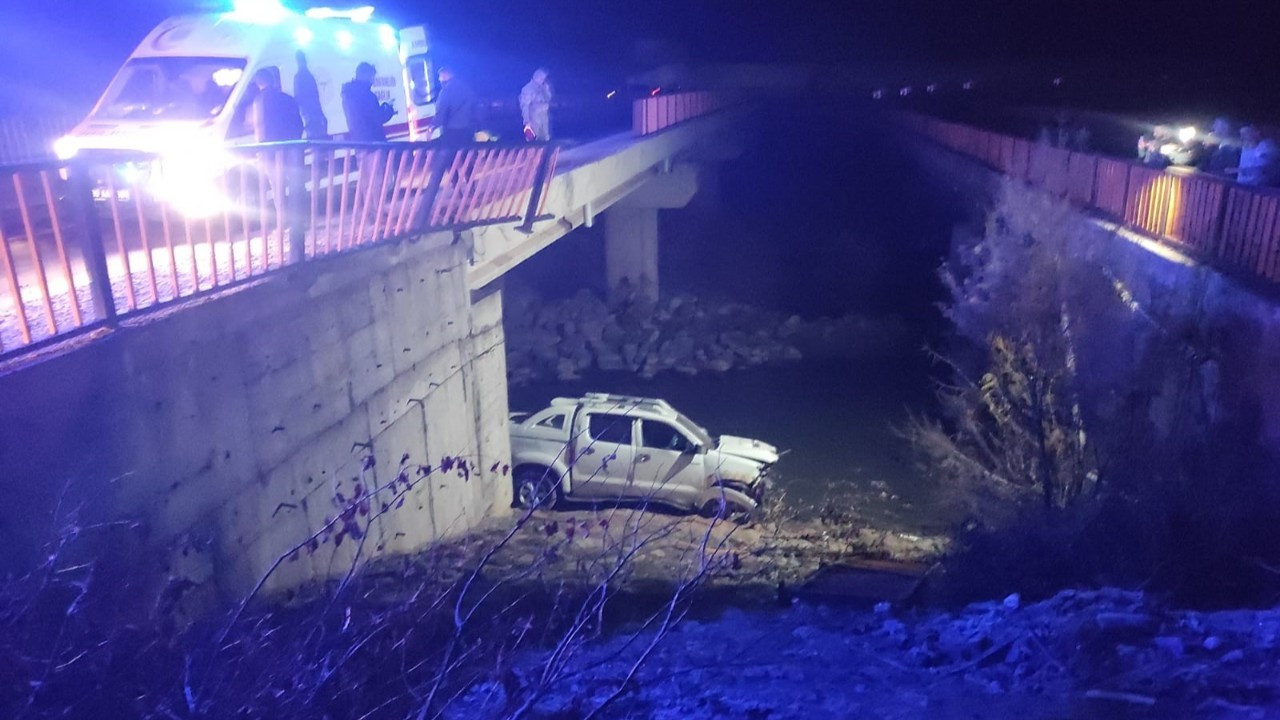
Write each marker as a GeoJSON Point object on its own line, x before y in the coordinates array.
{"type": "Point", "coordinates": [536, 487]}
{"type": "Point", "coordinates": [722, 509]}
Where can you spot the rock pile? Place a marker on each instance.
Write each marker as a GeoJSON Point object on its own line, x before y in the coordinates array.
{"type": "Point", "coordinates": [682, 333]}
{"type": "Point", "coordinates": [1104, 653]}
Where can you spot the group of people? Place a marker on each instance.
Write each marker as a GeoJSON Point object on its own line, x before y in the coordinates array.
{"type": "Point", "coordinates": [277, 116]}
{"type": "Point", "coordinates": [1244, 155]}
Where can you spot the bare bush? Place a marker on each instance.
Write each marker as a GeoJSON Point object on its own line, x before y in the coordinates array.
{"type": "Point", "coordinates": [1066, 392]}
{"type": "Point", "coordinates": [431, 635]}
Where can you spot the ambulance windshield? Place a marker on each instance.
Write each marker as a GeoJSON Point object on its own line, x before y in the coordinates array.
{"type": "Point", "coordinates": [171, 88]}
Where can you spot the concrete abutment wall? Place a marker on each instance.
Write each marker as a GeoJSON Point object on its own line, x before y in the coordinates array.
{"type": "Point", "coordinates": [228, 427]}
{"type": "Point", "coordinates": [1169, 287]}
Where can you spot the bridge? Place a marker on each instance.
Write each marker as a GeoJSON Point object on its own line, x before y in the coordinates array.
{"type": "Point", "coordinates": [1231, 227]}
{"type": "Point", "coordinates": [224, 344]}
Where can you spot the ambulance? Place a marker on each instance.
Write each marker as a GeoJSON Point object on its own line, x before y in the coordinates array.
{"type": "Point", "coordinates": [188, 88]}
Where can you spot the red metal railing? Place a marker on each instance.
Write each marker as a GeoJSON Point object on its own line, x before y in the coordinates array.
{"type": "Point", "coordinates": [84, 242]}
{"type": "Point", "coordinates": [657, 113]}
{"type": "Point", "coordinates": [1229, 225]}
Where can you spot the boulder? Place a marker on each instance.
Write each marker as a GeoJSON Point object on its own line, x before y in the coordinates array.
{"type": "Point", "coordinates": [610, 362]}
{"type": "Point", "coordinates": [566, 369]}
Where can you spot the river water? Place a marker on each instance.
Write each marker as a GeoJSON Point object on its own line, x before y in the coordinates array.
{"type": "Point", "coordinates": [824, 216]}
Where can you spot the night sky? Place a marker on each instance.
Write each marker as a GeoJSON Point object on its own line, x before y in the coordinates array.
{"type": "Point", "coordinates": [64, 51]}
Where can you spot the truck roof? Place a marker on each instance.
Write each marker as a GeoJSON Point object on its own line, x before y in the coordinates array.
{"type": "Point", "coordinates": [607, 401]}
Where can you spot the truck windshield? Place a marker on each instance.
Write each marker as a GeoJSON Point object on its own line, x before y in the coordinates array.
{"type": "Point", "coordinates": [697, 431]}
{"type": "Point", "coordinates": [170, 88]}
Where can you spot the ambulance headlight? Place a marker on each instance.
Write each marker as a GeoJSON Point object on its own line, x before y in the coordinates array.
{"type": "Point", "coordinates": [190, 182]}
{"type": "Point", "coordinates": [66, 147]}
{"type": "Point", "coordinates": [1186, 135]}
{"type": "Point", "coordinates": [129, 173]}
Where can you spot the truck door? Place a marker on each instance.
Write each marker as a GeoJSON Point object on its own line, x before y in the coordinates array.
{"type": "Point", "coordinates": [669, 466]}
{"type": "Point", "coordinates": [605, 455]}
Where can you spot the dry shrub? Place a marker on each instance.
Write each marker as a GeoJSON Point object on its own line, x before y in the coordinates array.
{"type": "Point", "coordinates": [433, 635]}
{"type": "Point", "coordinates": [1084, 434]}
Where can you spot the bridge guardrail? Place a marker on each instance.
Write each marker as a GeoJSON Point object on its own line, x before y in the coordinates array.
{"type": "Point", "coordinates": [1231, 226]}
{"type": "Point", "coordinates": [103, 236]}
{"type": "Point", "coordinates": [659, 112]}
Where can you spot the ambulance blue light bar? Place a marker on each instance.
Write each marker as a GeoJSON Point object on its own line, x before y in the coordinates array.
{"type": "Point", "coordinates": [258, 12]}
{"type": "Point", "coordinates": [360, 14]}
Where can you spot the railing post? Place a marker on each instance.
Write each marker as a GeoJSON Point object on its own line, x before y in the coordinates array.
{"type": "Point", "coordinates": [1124, 206]}
{"type": "Point", "coordinates": [438, 164]}
{"type": "Point", "coordinates": [1220, 224]}
{"type": "Point", "coordinates": [539, 183]}
{"type": "Point", "coordinates": [95, 257]}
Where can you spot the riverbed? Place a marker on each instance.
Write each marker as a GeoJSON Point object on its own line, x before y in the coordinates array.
{"type": "Point", "coordinates": [818, 227]}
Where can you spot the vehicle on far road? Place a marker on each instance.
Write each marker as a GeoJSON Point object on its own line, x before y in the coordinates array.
{"type": "Point", "coordinates": [603, 447]}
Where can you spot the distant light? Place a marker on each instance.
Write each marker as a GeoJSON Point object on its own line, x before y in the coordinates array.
{"type": "Point", "coordinates": [359, 14]}
{"type": "Point", "coordinates": [931, 87]}
{"type": "Point", "coordinates": [654, 92]}
{"type": "Point", "coordinates": [227, 77]}
{"type": "Point", "coordinates": [1057, 81]}
{"type": "Point", "coordinates": [345, 39]}
{"type": "Point", "coordinates": [260, 12]}
{"type": "Point", "coordinates": [66, 147]}
{"type": "Point", "coordinates": [878, 94]}
{"type": "Point", "coordinates": [968, 85]}
{"type": "Point", "coordinates": [387, 35]}
{"type": "Point", "coordinates": [905, 91]}
{"type": "Point", "coordinates": [303, 36]}
{"type": "Point", "coordinates": [610, 94]}
{"type": "Point", "coordinates": [1187, 134]}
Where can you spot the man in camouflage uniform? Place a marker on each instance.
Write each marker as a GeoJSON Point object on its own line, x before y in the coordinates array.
{"type": "Point", "coordinates": [535, 107]}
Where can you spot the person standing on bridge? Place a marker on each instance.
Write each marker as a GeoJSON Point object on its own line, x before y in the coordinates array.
{"type": "Point", "coordinates": [1222, 148]}
{"type": "Point", "coordinates": [1259, 159]}
{"type": "Point", "coordinates": [535, 107]}
{"type": "Point", "coordinates": [366, 121]}
{"type": "Point", "coordinates": [307, 92]}
{"type": "Point", "coordinates": [276, 118]}
{"type": "Point", "coordinates": [366, 117]}
{"type": "Point", "coordinates": [455, 110]}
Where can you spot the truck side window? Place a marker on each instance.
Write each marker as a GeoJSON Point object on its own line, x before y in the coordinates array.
{"type": "Point", "coordinates": [610, 428]}
{"type": "Point", "coordinates": [661, 436]}
{"type": "Point", "coordinates": [555, 422]}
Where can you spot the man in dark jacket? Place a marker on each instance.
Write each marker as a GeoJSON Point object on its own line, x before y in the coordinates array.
{"type": "Point", "coordinates": [276, 118]}
{"type": "Point", "coordinates": [455, 110]}
{"type": "Point", "coordinates": [1222, 148]}
{"type": "Point", "coordinates": [365, 115]}
{"type": "Point", "coordinates": [275, 114]}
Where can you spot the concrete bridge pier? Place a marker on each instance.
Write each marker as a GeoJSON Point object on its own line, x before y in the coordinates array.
{"type": "Point", "coordinates": [631, 227]}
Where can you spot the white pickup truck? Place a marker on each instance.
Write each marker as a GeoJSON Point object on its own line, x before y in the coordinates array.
{"type": "Point", "coordinates": [614, 447]}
